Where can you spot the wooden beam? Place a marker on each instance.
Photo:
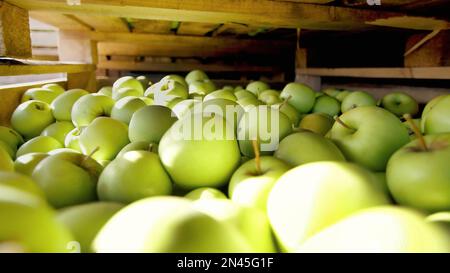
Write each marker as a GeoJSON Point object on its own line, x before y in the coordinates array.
{"type": "Point", "coordinates": [60, 21]}
{"type": "Point", "coordinates": [15, 38]}
{"type": "Point", "coordinates": [196, 29]}
{"type": "Point", "coordinates": [104, 23]}
{"type": "Point", "coordinates": [15, 70]}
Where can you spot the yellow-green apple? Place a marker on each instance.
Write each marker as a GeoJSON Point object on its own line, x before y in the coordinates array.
{"type": "Point", "coordinates": [239, 88]}
{"type": "Point", "coordinates": [63, 150]}
{"type": "Point", "coordinates": [106, 90]}
{"type": "Point", "coordinates": [86, 220]}
{"type": "Point", "coordinates": [63, 104]}
{"type": "Point", "coordinates": [31, 117]}
{"type": "Point", "coordinates": [332, 92]}
{"type": "Point", "coordinates": [342, 95]}
{"type": "Point", "coordinates": [318, 123]}
{"type": "Point", "coordinates": [41, 94]}
{"type": "Point", "coordinates": [265, 124]}
{"type": "Point", "coordinates": [289, 111]}
{"type": "Point", "coordinates": [25, 164]}
{"type": "Point", "coordinates": [139, 146]}
{"type": "Point", "coordinates": [357, 99]}
{"type": "Point", "coordinates": [202, 88]}
{"type": "Point", "coordinates": [257, 87]}
{"type": "Point", "coordinates": [195, 75]}
{"type": "Point", "coordinates": [205, 193]}
{"type": "Point", "coordinates": [327, 105]}
{"type": "Point", "coordinates": [207, 143]}
{"type": "Point", "coordinates": [39, 144]}
{"type": "Point", "coordinates": [58, 130]}
{"type": "Point", "coordinates": [72, 140]}
{"type": "Point", "coordinates": [314, 196]}
{"type": "Point", "coordinates": [382, 182]}
{"type": "Point", "coordinates": [127, 81]}
{"type": "Point", "coordinates": [21, 182]}
{"type": "Point", "coordinates": [176, 78]}
{"type": "Point", "coordinates": [54, 87]}
{"type": "Point", "coordinates": [252, 181]}
{"type": "Point", "coordinates": [171, 224]}
{"type": "Point", "coordinates": [299, 95]}
{"type": "Point", "coordinates": [106, 135]}
{"type": "Point", "coordinates": [249, 102]}
{"type": "Point", "coordinates": [166, 91]}
{"type": "Point", "coordinates": [270, 97]}
{"type": "Point", "coordinates": [221, 94]}
{"type": "Point", "coordinates": [241, 94]}
{"type": "Point", "coordinates": [150, 123]}
{"type": "Point", "coordinates": [228, 109]}
{"type": "Point", "coordinates": [68, 178]}
{"type": "Point", "coordinates": [400, 103]}
{"type": "Point", "coordinates": [437, 118]}
{"type": "Point", "coordinates": [442, 218]}
{"type": "Point", "coordinates": [369, 135]}
{"type": "Point", "coordinates": [403, 231]}
{"type": "Point", "coordinates": [11, 139]}
{"type": "Point", "coordinates": [228, 87]}
{"type": "Point", "coordinates": [124, 108]}
{"type": "Point", "coordinates": [90, 107]}
{"type": "Point", "coordinates": [184, 107]}
{"type": "Point", "coordinates": [248, 221]}
{"type": "Point", "coordinates": [145, 82]}
{"type": "Point", "coordinates": [126, 92]}
{"type": "Point", "coordinates": [306, 147]}
{"type": "Point", "coordinates": [134, 175]}
{"type": "Point", "coordinates": [6, 162]}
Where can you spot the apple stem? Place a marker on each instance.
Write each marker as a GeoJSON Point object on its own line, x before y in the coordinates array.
{"type": "Point", "coordinates": [255, 144]}
{"type": "Point", "coordinates": [90, 154]}
{"type": "Point", "coordinates": [419, 135]}
{"type": "Point", "coordinates": [285, 101]}
{"type": "Point", "coordinates": [338, 120]}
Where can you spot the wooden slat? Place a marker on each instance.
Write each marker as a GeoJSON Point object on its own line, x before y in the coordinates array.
{"type": "Point", "coordinates": [412, 22]}
{"type": "Point", "coordinates": [150, 26]}
{"type": "Point", "coordinates": [61, 21]}
{"type": "Point", "coordinates": [14, 31]}
{"type": "Point", "coordinates": [196, 29]}
{"type": "Point", "coordinates": [228, 29]}
{"type": "Point", "coordinates": [104, 23]}
{"type": "Point", "coordinates": [13, 70]}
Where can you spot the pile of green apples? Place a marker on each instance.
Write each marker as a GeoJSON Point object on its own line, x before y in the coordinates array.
{"type": "Point", "coordinates": [104, 172]}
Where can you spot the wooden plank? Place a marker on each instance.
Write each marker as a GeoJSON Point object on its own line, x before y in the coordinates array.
{"type": "Point", "coordinates": [85, 80]}
{"type": "Point", "coordinates": [412, 22]}
{"type": "Point", "coordinates": [104, 23]}
{"type": "Point", "coordinates": [435, 52]}
{"type": "Point", "coordinates": [14, 31]}
{"type": "Point", "coordinates": [61, 21]}
{"type": "Point", "coordinates": [196, 29]}
{"type": "Point", "coordinates": [13, 70]}
{"type": "Point", "coordinates": [232, 29]}
{"type": "Point", "coordinates": [150, 26]}
{"type": "Point", "coordinates": [251, 12]}
{"type": "Point", "coordinates": [394, 73]}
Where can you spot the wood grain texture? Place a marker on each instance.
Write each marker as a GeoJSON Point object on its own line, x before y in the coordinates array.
{"type": "Point", "coordinates": [15, 38]}
{"type": "Point", "coordinates": [393, 73]}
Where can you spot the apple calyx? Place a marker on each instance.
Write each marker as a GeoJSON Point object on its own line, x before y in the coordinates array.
{"type": "Point", "coordinates": [255, 144]}
{"type": "Point", "coordinates": [422, 144]}
{"type": "Point", "coordinates": [338, 120]}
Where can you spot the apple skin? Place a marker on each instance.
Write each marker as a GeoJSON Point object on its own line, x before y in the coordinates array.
{"type": "Point", "coordinates": [441, 218]}
{"type": "Point", "coordinates": [21, 182]}
{"type": "Point", "coordinates": [125, 92]}
{"type": "Point", "coordinates": [257, 87]}
{"type": "Point", "coordinates": [221, 94]}
{"type": "Point", "coordinates": [72, 140]}
{"type": "Point", "coordinates": [31, 224]}
{"type": "Point", "coordinates": [299, 203]}
{"type": "Point", "coordinates": [6, 162]}
{"type": "Point", "coordinates": [172, 225]}
{"type": "Point", "coordinates": [68, 178]}
{"type": "Point", "coordinates": [342, 95]}
{"type": "Point", "coordinates": [25, 164]}
{"type": "Point", "coordinates": [39, 144]}
{"type": "Point", "coordinates": [165, 91]}
{"type": "Point", "coordinates": [40, 94]}
{"type": "Point", "coordinates": [249, 188]}
{"type": "Point", "coordinates": [357, 99]}
{"type": "Point", "coordinates": [289, 111]}
{"type": "Point", "coordinates": [247, 125]}
{"type": "Point", "coordinates": [58, 130]}
{"type": "Point", "coordinates": [327, 105]}
{"type": "Point", "coordinates": [332, 92]}
{"type": "Point", "coordinates": [306, 147]}
{"type": "Point", "coordinates": [400, 103]}
{"type": "Point", "coordinates": [106, 134]}
{"type": "Point", "coordinates": [86, 220]}
{"type": "Point", "coordinates": [54, 87]}
{"type": "Point", "coordinates": [202, 88]}
{"type": "Point", "coordinates": [421, 179]}
{"type": "Point", "coordinates": [218, 154]}
{"type": "Point", "coordinates": [150, 123]}
{"type": "Point", "coordinates": [270, 97]}
{"type": "Point", "coordinates": [301, 96]}
{"type": "Point", "coordinates": [248, 221]}
{"type": "Point", "coordinates": [195, 75]}
{"type": "Point", "coordinates": [241, 94]}
{"type": "Point", "coordinates": [127, 81]}
{"type": "Point", "coordinates": [404, 231]}
{"type": "Point", "coordinates": [139, 146]}
{"type": "Point", "coordinates": [228, 109]}
{"type": "Point", "coordinates": [205, 193]}
{"type": "Point", "coordinates": [124, 108]}
{"type": "Point", "coordinates": [318, 123]}
{"type": "Point", "coordinates": [375, 135]}
{"type": "Point", "coordinates": [133, 176]}
{"type": "Point", "coordinates": [90, 107]}
{"type": "Point", "coordinates": [249, 102]}
{"type": "Point", "coordinates": [11, 139]}
{"type": "Point", "coordinates": [184, 107]}
{"type": "Point", "coordinates": [30, 118]}
{"type": "Point", "coordinates": [63, 104]}
{"type": "Point", "coordinates": [176, 78]}
{"type": "Point", "coordinates": [437, 119]}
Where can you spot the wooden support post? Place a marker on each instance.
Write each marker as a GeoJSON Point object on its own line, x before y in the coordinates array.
{"type": "Point", "coordinates": [15, 39]}
{"type": "Point", "coordinates": [433, 52]}
{"type": "Point", "coordinates": [76, 46]}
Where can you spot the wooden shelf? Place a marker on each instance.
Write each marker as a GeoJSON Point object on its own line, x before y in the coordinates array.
{"type": "Point", "coordinates": [44, 68]}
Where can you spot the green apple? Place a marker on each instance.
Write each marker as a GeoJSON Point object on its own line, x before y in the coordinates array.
{"type": "Point", "coordinates": [306, 147]}
{"type": "Point", "coordinates": [134, 175]}
{"type": "Point", "coordinates": [21, 182]}
{"type": "Point", "coordinates": [241, 94]}
{"type": "Point", "coordinates": [220, 94]}
{"type": "Point", "coordinates": [126, 92]}
{"type": "Point", "coordinates": [327, 105]}
{"type": "Point", "coordinates": [11, 140]}
{"type": "Point", "coordinates": [68, 178]}
{"type": "Point", "coordinates": [318, 123]}
{"type": "Point", "coordinates": [106, 90]}
{"type": "Point", "coordinates": [39, 144]}
{"type": "Point", "coordinates": [249, 102]}
{"type": "Point", "coordinates": [6, 162]}
{"type": "Point", "coordinates": [86, 220]}
{"type": "Point", "coordinates": [196, 75]}
{"type": "Point", "coordinates": [265, 124]}
{"type": "Point", "coordinates": [442, 218]}
{"type": "Point", "coordinates": [207, 143]}
{"type": "Point", "coordinates": [30, 118]}
{"type": "Point", "coordinates": [418, 173]}
{"type": "Point", "coordinates": [299, 95]}
{"type": "Point", "coordinates": [106, 135]}
{"type": "Point", "coordinates": [171, 224]}
{"type": "Point", "coordinates": [427, 109]}
{"type": "Point", "coordinates": [437, 118]}
{"type": "Point", "coordinates": [124, 108]}
{"type": "Point", "coordinates": [72, 140]}
{"type": "Point", "coordinates": [205, 193]}
{"type": "Point", "coordinates": [382, 182]}
{"type": "Point", "coordinates": [170, 104]}
{"type": "Point", "coordinates": [252, 181]}
{"type": "Point", "coordinates": [289, 111]}
{"type": "Point", "coordinates": [342, 95]}
{"type": "Point", "coordinates": [403, 231]}
{"type": "Point", "coordinates": [58, 130]}
{"type": "Point", "coordinates": [270, 97]}
{"type": "Point", "coordinates": [299, 203]}
{"type": "Point", "coordinates": [25, 164]}
{"type": "Point", "coordinates": [145, 82]}
{"type": "Point", "coordinates": [58, 89]}
{"type": "Point", "coordinates": [41, 94]}
{"type": "Point", "coordinates": [90, 107]}
{"type": "Point", "coordinates": [202, 88]}
{"type": "Point", "coordinates": [400, 103]}
{"type": "Point", "coordinates": [127, 81]}
{"type": "Point", "coordinates": [228, 109]}
{"type": "Point", "coordinates": [63, 150]}
{"type": "Point", "coordinates": [63, 104]}
{"type": "Point", "coordinates": [166, 91]}
{"type": "Point", "coordinates": [148, 101]}
{"type": "Point", "coordinates": [176, 78]}
{"type": "Point", "coordinates": [369, 135]}
{"type": "Point", "coordinates": [239, 88]}
{"type": "Point", "coordinates": [250, 222]}
{"type": "Point", "coordinates": [139, 146]}
{"type": "Point", "coordinates": [150, 123]}
{"type": "Point", "coordinates": [29, 225]}
{"type": "Point", "coordinates": [410, 129]}
{"type": "Point", "coordinates": [357, 99]}
{"type": "Point", "coordinates": [184, 107]}
{"type": "Point", "coordinates": [332, 92]}
{"type": "Point", "coordinates": [257, 87]}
